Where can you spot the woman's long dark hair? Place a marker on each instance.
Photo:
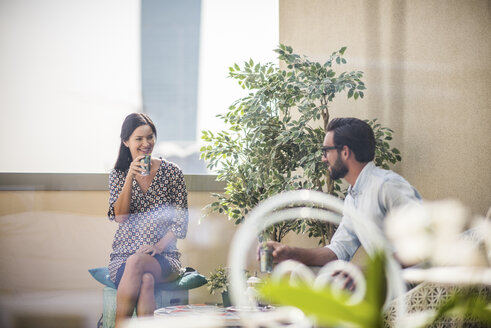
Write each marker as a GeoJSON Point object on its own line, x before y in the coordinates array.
{"type": "Point", "coordinates": [131, 122]}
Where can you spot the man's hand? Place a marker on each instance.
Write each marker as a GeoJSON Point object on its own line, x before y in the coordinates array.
{"type": "Point", "coordinates": [345, 280]}
{"type": "Point", "coordinates": [280, 251]}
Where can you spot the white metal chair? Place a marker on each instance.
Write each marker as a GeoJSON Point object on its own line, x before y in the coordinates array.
{"type": "Point", "coordinates": [312, 205]}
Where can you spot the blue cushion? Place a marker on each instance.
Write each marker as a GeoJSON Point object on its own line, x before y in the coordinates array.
{"type": "Point", "coordinates": [102, 275]}
{"type": "Point", "coordinates": [189, 280]}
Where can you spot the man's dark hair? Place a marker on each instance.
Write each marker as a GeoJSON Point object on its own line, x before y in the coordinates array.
{"type": "Point", "coordinates": [356, 134]}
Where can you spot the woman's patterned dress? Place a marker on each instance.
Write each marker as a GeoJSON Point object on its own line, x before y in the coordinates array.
{"type": "Point", "coordinates": [161, 209]}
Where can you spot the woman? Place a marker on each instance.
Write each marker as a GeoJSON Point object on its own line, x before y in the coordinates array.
{"type": "Point", "coordinates": [152, 213]}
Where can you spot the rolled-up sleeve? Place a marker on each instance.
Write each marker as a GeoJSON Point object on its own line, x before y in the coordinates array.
{"type": "Point", "coordinates": [344, 242]}
{"type": "Point", "coordinates": [116, 182]}
{"type": "Point", "coordinates": [179, 198]}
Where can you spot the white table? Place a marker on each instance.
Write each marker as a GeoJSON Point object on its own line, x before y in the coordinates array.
{"type": "Point", "coordinates": [212, 316]}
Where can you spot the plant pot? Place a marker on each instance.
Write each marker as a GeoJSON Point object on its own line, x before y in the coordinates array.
{"type": "Point", "coordinates": [226, 299]}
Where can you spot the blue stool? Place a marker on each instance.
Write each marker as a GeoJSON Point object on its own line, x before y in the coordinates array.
{"type": "Point", "coordinates": [166, 294]}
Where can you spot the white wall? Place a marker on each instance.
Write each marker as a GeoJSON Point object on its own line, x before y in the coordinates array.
{"type": "Point", "coordinates": [427, 73]}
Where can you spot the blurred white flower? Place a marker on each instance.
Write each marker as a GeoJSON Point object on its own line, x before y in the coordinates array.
{"type": "Point", "coordinates": [448, 219]}
{"type": "Point", "coordinates": [458, 253]}
{"type": "Point", "coordinates": [434, 232]}
{"type": "Point", "coordinates": [408, 228]}
{"type": "Point", "coordinates": [481, 231]}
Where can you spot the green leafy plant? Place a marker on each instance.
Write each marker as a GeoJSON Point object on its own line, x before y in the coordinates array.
{"type": "Point", "coordinates": [275, 133]}
{"type": "Point", "coordinates": [218, 281]}
{"type": "Point", "coordinates": [384, 154]}
{"type": "Point", "coordinates": [330, 308]}
{"type": "Point", "coordinates": [465, 304]}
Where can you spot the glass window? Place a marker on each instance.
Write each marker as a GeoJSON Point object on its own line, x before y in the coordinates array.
{"type": "Point", "coordinates": [72, 70]}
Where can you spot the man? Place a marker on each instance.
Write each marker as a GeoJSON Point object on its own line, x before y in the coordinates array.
{"type": "Point", "coordinates": [349, 149]}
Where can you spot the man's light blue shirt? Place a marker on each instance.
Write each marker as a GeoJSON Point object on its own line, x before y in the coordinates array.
{"type": "Point", "coordinates": [375, 193]}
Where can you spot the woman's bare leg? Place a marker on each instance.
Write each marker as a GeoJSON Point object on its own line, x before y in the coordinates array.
{"type": "Point", "coordinates": [129, 287]}
{"type": "Point", "coordinates": [146, 300]}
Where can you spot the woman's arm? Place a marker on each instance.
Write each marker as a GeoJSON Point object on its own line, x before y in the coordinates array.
{"type": "Point", "coordinates": [179, 196]}
{"type": "Point", "coordinates": [122, 204]}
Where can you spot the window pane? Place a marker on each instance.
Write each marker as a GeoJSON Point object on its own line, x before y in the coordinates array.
{"type": "Point", "coordinates": [170, 58]}
{"type": "Point", "coordinates": [70, 74]}
{"type": "Point", "coordinates": [230, 32]}
{"type": "Point", "coordinates": [72, 70]}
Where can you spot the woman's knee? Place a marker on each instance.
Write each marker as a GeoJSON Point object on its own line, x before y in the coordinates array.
{"type": "Point", "coordinates": [138, 264]}
{"type": "Point", "coordinates": [148, 281]}
{"type": "Point", "coordinates": [134, 262]}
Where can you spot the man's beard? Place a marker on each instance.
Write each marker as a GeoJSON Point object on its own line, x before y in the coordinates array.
{"type": "Point", "coordinates": [338, 170]}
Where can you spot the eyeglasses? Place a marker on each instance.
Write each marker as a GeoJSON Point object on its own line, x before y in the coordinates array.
{"type": "Point", "coordinates": [326, 148]}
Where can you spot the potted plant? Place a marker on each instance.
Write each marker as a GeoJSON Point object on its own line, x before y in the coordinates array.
{"type": "Point", "coordinates": [274, 136]}
{"type": "Point", "coordinates": [218, 282]}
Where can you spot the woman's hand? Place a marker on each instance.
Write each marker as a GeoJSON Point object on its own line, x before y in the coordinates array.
{"type": "Point", "coordinates": [136, 167]}
{"type": "Point", "coordinates": [149, 249]}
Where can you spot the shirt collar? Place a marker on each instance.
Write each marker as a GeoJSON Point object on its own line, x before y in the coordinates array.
{"type": "Point", "coordinates": [361, 181]}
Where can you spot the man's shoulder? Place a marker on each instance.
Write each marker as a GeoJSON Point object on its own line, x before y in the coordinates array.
{"type": "Point", "coordinates": [393, 185]}
{"type": "Point", "coordinates": [382, 176]}
{"type": "Point", "coordinates": [381, 181]}
{"type": "Point", "coordinates": [389, 182]}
